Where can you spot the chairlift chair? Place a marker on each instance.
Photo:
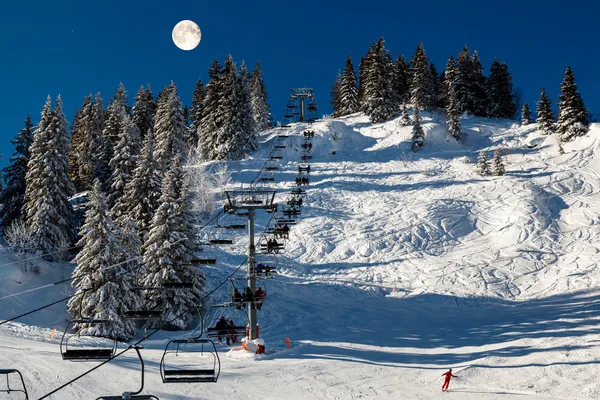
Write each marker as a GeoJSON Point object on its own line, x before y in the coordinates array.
{"type": "Point", "coordinates": [271, 168]}
{"type": "Point", "coordinates": [288, 221]}
{"type": "Point", "coordinates": [133, 395]}
{"type": "Point", "coordinates": [280, 146]}
{"type": "Point", "coordinates": [283, 135]}
{"type": "Point", "coordinates": [8, 389]}
{"type": "Point", "coordinates": [267, 179]}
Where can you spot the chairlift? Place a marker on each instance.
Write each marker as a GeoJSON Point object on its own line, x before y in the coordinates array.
{"type": "Point", "coordinates": [8, 389]}
{"type": "Point", "coordinates": [271, 168]}
{"type": "Point", "coordinates": [275, 157]}
{"type": "Point", "coordinates": [280, 146]}
{"type": "Point", "coordinates": [289, 221]}
{"type": "Point", "coordinates": [283, 135]}
{"type": "Point", "coordinates": [72, 348]}
{"type": "Point", "coordinates": [304, 168]}
{"type": "Point", "coordinates": [192, 360]}
{"type": "Point", "coordinates": [267, 179]}
{"type": "Point", "coordinates": [133, 395]}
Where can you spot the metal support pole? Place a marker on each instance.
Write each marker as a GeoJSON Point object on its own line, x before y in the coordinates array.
{"type": "Point", "coordinates": [301, 108]}
{"type": "Point", "coordinates": [251, 274]}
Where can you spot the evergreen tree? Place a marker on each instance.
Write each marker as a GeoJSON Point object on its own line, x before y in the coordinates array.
{"type": "Point", "coordinates": [348, 91]}
{"type": "Point", "coordinates": [405, 117]}
{"type": "Point", "coordinates": [572, 114]}
{"type": "Point", "coordinates": [418, 136]}
{"type": "Point", "coordinates": [12, 195]}
{"type": "Point", "coordinates": [378, 97]}
{"type": "Point", "coordinates": [464, 81]}
{"type": "Point", "coordinates": [501, 102]}
{"type": "Point", "coordinates": [212, 119]}
{"type": "Point", "coordinates": [421, 88]}
{"type": "Point", "coordinates": [169, 130]}
{"type": "Point", "coordinates": [143, 110]}
{"type": "Point", "coordinates": [477, 88]}
{"type": "Point", "coordinates": [435, 89]}
{"type": "Point", "coordinates": [124, 159]}
{"type": "Point", "coordinates": [197, 111]}
{"type": "Point", "coordinates": [142, 192]}
{"type": "Point", "coordinates": [77, 145]}
{"type": "Point", "coordinates": [103, 290]}
{"type": "Point", "coordinates": [336, 95]}
{"type": "Point", "coordinates": [545, 116]}
{"type": "Point", "coordinates": [526, 115]}
{"type": "Point", "coordinates": [90, 150]}
{"type": "Point", "coordinates": [112, 128]}
{"type": "Point", "coordinates": [497, 164]}
{"type": "Point", "coordinates": [167, 258]}
{"type": "Point", "coordinates": [402, 80]}
{"type": "Point", "coordinates": [260, 106]}
{"type": "Point", "coordinates": [227, 145]}
{"type": "Point", "coordinates": [48, 188]}
{"type": "Point", "coordinates": [452, 100]}
{"type": "Point", "coordinates": [246, 122]}
{"type": "Point", "coordinates": [483, 166]}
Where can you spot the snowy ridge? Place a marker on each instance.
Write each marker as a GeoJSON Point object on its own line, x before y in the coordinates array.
{"type": "Point", "coordinates": [402, 265]}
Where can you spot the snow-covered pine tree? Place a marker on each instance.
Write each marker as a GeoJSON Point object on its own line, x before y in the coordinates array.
{"type": "Point", "coordinates": [348, 103]}
{"type": "Point", "coordinates": [260, 105]}
{"type": "Point", "coordinates": [545, 116]}
{"type": "Point", "coordinates": [90, 153]}
{"type": "Point", "coordinates": [402, 80]}
{"type": "Point", "coordinates": [452, 100]}
{"type": "Point", "coordinates": [103, 290]}
{"type": "Point", "coordinates": [336, 95]}
{"type": "Point", "coordinates": [526, 115]}
{"type": "Point", "coordinates": [169, 130]}
{"type": "Point", "coordinates": [167, 258]}
{"type": "Point", "coordinates": [48, 188]}
{"type": "Point", "coordinates": [464, 81]}
{"type": "Point", "coordinates": [501, 101]}
{"type": "Point", "coordinates": [247, 125]}
{"type": "Point", "coordinates": [77, 145]}
{"type": "Point", "coordinates": [483, 167]}
{"type": "Point", "coordinates": [378, 97]}
{"type": "Point", "coordinates": [143, 110]}
{"type": "Point", "coordinates": [124, 159]}
{"type": "Point", "coordinates": [477, 92]}
{"type": "Point", "coordinates": [421, 86]}
{"type": "Point", "coordinates": [112, 129]}
{"type": "Point", "coordinates": [196, 112]}
{"type": "Point", "coordinates": [14, 174]}
{"type": "Point", "coordinates": [418, 136]}
{"type": "Point", "coordinates": [212, 118]}
{"type": "Point", "coordinates": [434, 87]}
{"type": "Point", "coordinates": [227, 145]}
{"type": "Point", "coordinates": [572, 114]}
{"type": "Point", "coordinates": [142, 192]}
{"type": "Point", "coordinates": [497, 164]}
{"type": "Point", "coordinates": [405, 116]}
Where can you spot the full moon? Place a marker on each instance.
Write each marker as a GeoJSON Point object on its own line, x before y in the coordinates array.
{"type": "Point", "coordinates": [186, 35]}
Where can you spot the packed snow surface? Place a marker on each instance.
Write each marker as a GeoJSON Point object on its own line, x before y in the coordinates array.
{"type": "Point", "coordinates": [402, 265]}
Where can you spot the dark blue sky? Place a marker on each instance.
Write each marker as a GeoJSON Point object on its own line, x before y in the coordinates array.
{"type": "Point", "coordinates": [76, 47]}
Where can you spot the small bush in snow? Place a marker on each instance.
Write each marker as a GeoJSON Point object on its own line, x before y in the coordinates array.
{"type": "Point", "coordinates": [483, 167]}
{"type": "Point", "coordinates": [498, 165]}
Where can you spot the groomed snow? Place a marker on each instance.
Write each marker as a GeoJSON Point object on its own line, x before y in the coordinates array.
{"type": "Point", "coordinates": [403, 265]}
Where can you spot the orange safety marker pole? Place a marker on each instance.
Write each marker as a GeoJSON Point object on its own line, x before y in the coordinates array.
{"type": "Point", "coordinates": [53, 333]}
{"type": "Point", "coordinates": [288, 343]}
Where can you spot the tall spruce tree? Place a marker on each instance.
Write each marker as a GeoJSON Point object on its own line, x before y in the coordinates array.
{"type": "Point", "coordinates": [378, 98]}
{"type": "Point", "coordinates": [90, 150]}
{"type": "Point", "coordinates": [143, 110]}
{"type": "Point", "coordinates": [418, 136]}
{"type": "Point", "coordinates": [142, 192]}
{"type": "Point", "coordinates": [247, 125]}
{"type": "Point", "coordinates": [545, 116]}
{"type": "Point", "coordinates": [103, 288]}
{"type": "Point", "coordinates": [497, 164]}
{"type": "Point", "coordinates": [336, 95]}
{"type": "Point", "coordinates": [167, 258]}
{"type": "Point", "coordinates": [572, 114]}
{"type": "Point", "coordinates": [421, 87]}
{"type": "Point", "coordinates": [436, 99]}
{"type": "Point", "coordinates": [477, 89]}
{"type": "Point", "coordinates": [212, 119]}
{"type": "Point", "coordinates": [452, 100]}
{"type": "Point", "coordinates": [464, 81]}
{"type": "Point", "coordinates": [77, 145]}
{"type": "Point", "coordinates": [348, 93]}
{"type": "Point", "coordinates": [405, 121]}
{"type": "Point", "coordinates": [483, 166]}
{"type": "Point", "coordinates": [169, 130]}
{"type": "Point", "coordinates": [197, 111]}
{"type": "Point", "coordinates": [526, 118]}
{"type": "Point", "coordinates": [48, 188]}
{"type": "Point", "coordinates": [261, 109]}
{"type": "Point", "coordinates": [501, 102]}
{"type": "Point", "coordinates": [402, 80]}
{"type": "Point", "coordinates": [124, 159]}
{"type": "Point", "coordinates": [14, 174]}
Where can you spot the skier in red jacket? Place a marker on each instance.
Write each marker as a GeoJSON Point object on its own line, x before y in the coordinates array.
{"type": "Point", "coordinates": [447, 376]}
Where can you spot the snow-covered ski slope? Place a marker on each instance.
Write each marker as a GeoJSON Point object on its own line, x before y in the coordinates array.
{"type": "Point", "coordinates": [403, 264]}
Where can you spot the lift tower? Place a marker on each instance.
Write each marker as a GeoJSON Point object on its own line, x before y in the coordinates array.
{"type": "Point", "coordinates": [301, 100]}
{"type": "Point", "coordinates": [250, 200]}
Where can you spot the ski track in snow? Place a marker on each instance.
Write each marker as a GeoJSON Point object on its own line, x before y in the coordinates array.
{"type": "Point", "coordinates": [403, 264]}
